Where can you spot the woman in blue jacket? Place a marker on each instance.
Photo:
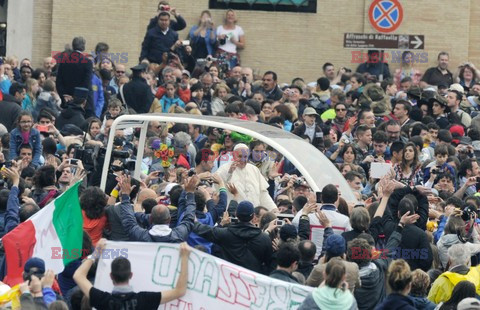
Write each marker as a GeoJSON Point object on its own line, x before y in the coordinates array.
{"type": "Point", "coordinates": [25, 134]}
{"type": "Point", "coordinates": [170, 98]}
{"type": "Point", "coordinates": [203, 36]}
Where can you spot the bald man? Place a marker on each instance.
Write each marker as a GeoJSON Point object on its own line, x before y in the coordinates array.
{"type": "Point", "coordinates": [247, 178]}
{"type": "Point", "coordinates": [48, 64]}
{"type": "Point", "coordinates": [159, 218]}
{"type": "Point", "coordinates": [143, 195]}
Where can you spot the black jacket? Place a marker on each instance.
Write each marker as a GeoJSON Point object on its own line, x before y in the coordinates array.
{"type": "Point", "coordinates": [156, 43]}
{"type": "Point", "coordinates": [415, 248]}
{"type": "Point", "coordinates": [117, 232]}
{"type": "Point", "coordinates": [284, 276]}
{"type": "Point", "coordinates": [390, 217]}
{"type": "Point", "coordinates": [73, 114]}
{"type": "Point", "coordinates": [74, 70]}
{"type": "Point", "coordinates": [276, 94]}
{"type": "Point", "coordinates": [138, 95]}
{"type": "Point", "coordinates": [10, 111]}
{"type": "Point", "coordinates": [242, 244]}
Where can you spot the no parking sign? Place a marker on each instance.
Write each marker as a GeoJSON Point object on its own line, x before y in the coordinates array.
{"type": "Point", "coordinates": [385, 15]}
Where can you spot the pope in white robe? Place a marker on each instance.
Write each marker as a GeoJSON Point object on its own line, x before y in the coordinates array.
{"type": "Point", "coordinates": [247, 178]}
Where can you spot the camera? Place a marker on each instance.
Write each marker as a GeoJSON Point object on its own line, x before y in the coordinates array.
{"type": "Point", "coordinates": [244, 79]}
{"type": "Point", "coordinates": [346, 141]}
{"type": "Point", "coordinates": [222, 41]}
{"type": "Point", "coordinates": [8, 164]}
{"type": "Point", "coordinates": [28, 275]}
{"type": "Point", "coordinates": [86, 155]}
{"type": "Point", "coordinates": [191, 172]}
{"type": "Point", "coordinates": [234, 220]}
{"type": "Point", "coordinates": [435, 171]}
{"type": "Point", "coordinates": [280, 222]}
{"type": "Point", "coordinates": [468, 212]}
{"type": "Point", "coordinates": [210, 58]}
{"type": "Point", "coordinates": [298, 182]}
{"type": "Point", "coordinates": [120, 154]}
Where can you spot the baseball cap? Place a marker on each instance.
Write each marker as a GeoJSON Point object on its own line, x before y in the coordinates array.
{"type": "Point", "coordinates": [288, 231]}
{"type": "Point", "coordinates": [245, 209]}
{"type": "Point", "coordinates": [335, 245]}
{"type": "Point", "coordinates": [140, 67]}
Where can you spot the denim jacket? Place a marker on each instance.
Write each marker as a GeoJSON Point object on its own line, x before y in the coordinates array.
{"type": "Point", "coordinates": [16, 141]}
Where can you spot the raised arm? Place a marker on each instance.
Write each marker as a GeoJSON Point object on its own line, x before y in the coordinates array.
{"type": "Point", "coordinates": [182, 281]}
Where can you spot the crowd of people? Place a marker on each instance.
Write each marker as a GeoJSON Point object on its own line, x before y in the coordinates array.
{"type": "Point", "coordinates": [411, 240]}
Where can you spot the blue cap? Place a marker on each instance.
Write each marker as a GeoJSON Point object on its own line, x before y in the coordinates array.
{"type": "Point", "coordinates": [335, 245]}
{"type": "Point", "coordinates": [35, 262]}
{"type": "Point", "coordinates": [245, 209]}
{"type": "Point", "coordinates": [288, 231]}
{"type": "Point", "coordinates": [80, 93]}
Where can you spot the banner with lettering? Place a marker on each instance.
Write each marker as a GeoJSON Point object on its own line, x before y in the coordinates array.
{"type": "Point", "coordinates": [212, 282]}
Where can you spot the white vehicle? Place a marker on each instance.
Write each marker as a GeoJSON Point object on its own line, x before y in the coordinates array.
{"type": "Point", "coordinates": [315, 167]}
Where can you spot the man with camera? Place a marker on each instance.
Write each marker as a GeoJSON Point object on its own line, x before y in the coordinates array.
{"type": "Point", "coordinates": [160, 39]}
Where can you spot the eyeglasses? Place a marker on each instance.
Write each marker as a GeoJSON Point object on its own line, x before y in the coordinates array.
{"type": "Point", "coordinates": [118, 71]}
{"type": "Point", "coordinates": [340, 110]}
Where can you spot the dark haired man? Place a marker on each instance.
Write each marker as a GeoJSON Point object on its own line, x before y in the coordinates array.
{"type": "Point", "coordinates": [401, 112]}
{"type": "Point", "coordinates": [270, 87]}
{"type": "Point", "coordinates": [75, 70]}
{"type": "Point", "coordinates": [123, 296]}
{"type": "Point", "coordinates": [11, 105]}
{"type": "Point", "coordinates": [454, 98]}
{"type": "Point", "coordinates": [287, 262]}
{"type": "Point", "coordinates": [160, 39]}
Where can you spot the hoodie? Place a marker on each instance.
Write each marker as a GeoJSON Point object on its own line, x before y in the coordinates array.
{"type": "Point", "coordinates": [446, 241]}
{"type": "Point", "coordinates": [329, 298]}
{"type": "Point", "coordinates": [422, 303]}
{"type": "Point", "coordinates": [241, 244]}
{"type": "Point", "coordinates": [396, 301]}
{"type": "Point", "coordinates": [73, 114]}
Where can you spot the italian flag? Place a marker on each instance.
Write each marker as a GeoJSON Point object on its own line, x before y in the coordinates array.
{"type": "Point", "coordinates": [59, 225]}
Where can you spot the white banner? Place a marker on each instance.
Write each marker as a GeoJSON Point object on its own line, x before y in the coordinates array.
{"type": "Point", "coordinates": [212, 282]}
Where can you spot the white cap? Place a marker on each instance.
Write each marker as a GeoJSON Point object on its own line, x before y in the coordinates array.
{"type": "Point", "coordinates": [457, 87]}
{"type": "Point", "coordinates": [241, 146]}
{"type": "Point", "coordinates": [168, 188]}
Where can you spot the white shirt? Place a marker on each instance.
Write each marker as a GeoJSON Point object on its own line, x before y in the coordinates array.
{"type": "Point", "coordinates": [235, 33]}
{"type": "Point", "coordinates": [340, 223]}
{"type": "Point", "coordinates": [310, 131]}
{"type": "Point", "coordinates": [250, 183]}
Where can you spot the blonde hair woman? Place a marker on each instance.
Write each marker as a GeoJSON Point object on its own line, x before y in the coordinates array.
{"type": "Point", "coordinates": [231, 38]}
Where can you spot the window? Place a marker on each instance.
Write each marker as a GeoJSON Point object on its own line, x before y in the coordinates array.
{"type": "Point", "coordinates": [302, 6]}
